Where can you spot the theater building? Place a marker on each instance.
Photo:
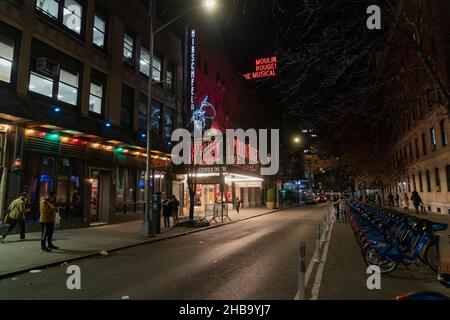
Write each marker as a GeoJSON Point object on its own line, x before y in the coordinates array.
{"type": "Point", "coordinates": [73, 106]}
{"type": "Point", "coordinates": [219, 94]}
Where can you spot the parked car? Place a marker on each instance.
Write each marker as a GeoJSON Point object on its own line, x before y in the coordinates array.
{"type": "Point", "coordinates": [321, 199]}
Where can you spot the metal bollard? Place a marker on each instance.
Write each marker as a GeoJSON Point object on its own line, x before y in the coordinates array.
{"type": "Point", "coordinates": [301, 273]}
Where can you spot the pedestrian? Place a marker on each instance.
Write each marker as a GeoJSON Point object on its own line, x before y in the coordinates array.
{"type": "Point", "coordinates": [166, 213]}
{"type": "Point", "coordinates": [417, 202]}
{"type": "Point", "coordinates": [405, 202]}
{"type": "Point", "coordinates": [175, 210]}
{"type": "Point", "coordinates": [391, 200]}
{"type": "Point", "coordinates": [16, 216]}
{"type": "Point", "coordinates": [378, 201]}
{"type": "Point", "coordinates": [397, 200]}
{"type": "Point", "coordinates": [337, 206]}
{"type": "Point", "coordinates": [237, 204]}
{"type": "Point", "coordinates": [47, 220]}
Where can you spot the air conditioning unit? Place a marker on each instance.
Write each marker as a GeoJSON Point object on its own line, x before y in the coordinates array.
{"type": "Point", "coordinates": [47, 67]}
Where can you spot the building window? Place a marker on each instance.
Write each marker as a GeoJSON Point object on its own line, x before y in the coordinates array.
{"type": "Point", "coordinates": [6, 59]}
{"type": "Point", "coordinates": [447, 172]}
{"type": "Point", "coordinates": [170, 73]}
{"type": "Point", "coordinates": [409, 184]}
{"type": "Point", "coordinates": [68, 87]}
{"type": "Point", "coordinates": [99, 32]}
{"type": "Point", "coordinates": [417, 148]}
{"type": "Point", "coordinates": [169, 123]}
{"type": "Point", "coordinates": [96, 96]}
{"type": "Point", "coordinates": [142, 113]}
{"type": "Point", "coordinates": [420, 182]}
{"type": "Point", "coordinates": [71, 15]}
{"type": "Point", "coordinates": [438, 179]}
{"type": "Point", "coordinates": [433, 139]}
{"type": "Point", "coordinates": [444, 136]}
{"type": "Point", "coordinates": [410, 151]}
{"type": "Point", "coordinates": [157, 69]}
{"type": "Point", "coordinates": [128, 49]}
{"type": "Point", "coordinates": [49, 7]}
{"type": "Point", "coordinates": [428, 181]}
{"type": "Point", "coordinates": [156, 117]}
{"type": "Point", "coordinates": [41, 84]}
{"type": "Point", "coordinates": [127, 107]}
{"type": "Point", "coordinates": [145, 62]}
{"type": "Point", "coordinates": [414, 182]}
{"type": "Point", "coordinates": [424, 144]}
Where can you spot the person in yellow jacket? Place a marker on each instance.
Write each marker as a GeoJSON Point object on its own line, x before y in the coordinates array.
{"type": "Point", "coordinates": [47, 221]}
{"type": "Point", "coordinates": [17, 211]}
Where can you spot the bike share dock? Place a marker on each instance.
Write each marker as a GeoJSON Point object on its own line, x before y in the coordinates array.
{"type": "Point", "coordinates": [345, 274]}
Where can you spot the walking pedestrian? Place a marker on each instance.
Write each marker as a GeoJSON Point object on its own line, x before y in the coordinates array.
{"type": "Point", "coordinates": [166, 213]}
{"type": "Point", "coordinates": [417, 202]}
{"type": "Point", "coordinates": [175, 210]}
{"type": "Point", "coordinates": [337, 206]}
{"type": "Point", "coordinates": [405, 202]}
{"type": "Point", "coordinates": [47, 220]}
{"type": "Point", "coordinates": [378, 201]}
{"type": "Point", "coordinates": [16, 216]}
{"type": "Point", "coordinates": [237, 204]}
{"type": "Point", "coordinates": [397, 200]}
{"type": "Point", "coordinates": [391, 200]}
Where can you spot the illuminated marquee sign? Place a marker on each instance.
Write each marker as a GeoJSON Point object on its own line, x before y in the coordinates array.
{"type": "Point", "coordinates": [265, 68]}
{"type": "Point", "coordinates": [241, 150]}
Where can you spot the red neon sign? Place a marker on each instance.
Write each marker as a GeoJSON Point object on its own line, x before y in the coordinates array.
{"type": "Point", "coordinates": [264, 68]}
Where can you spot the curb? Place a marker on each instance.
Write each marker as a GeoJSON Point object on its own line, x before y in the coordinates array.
{"type": "Point", "coordinates": [144, 242]}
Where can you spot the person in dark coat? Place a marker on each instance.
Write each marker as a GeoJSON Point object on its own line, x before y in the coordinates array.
{"type": "Point", "coordinates": [391, 200]}
{"type": "Point", "coordinates": [417, 201]}
{"type": "Point", "coordinates": [166, 213]}
{"type": "Point", "coordinates": [175, 207]}
{"type": "Point", "coordinates": [237, 204]}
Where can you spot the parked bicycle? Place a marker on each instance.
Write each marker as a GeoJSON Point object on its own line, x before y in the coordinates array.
{"type": "Point", "coordinates": [388, 238]}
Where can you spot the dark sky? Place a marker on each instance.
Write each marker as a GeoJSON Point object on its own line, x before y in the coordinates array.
{"type": "Point", "coordinates": [243, 27]}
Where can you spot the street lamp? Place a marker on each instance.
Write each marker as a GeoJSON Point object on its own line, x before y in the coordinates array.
{"type": "Point", "coordinates": [209, 4]}
{"type": "Point", "coordinates": [297, 140]}
{"type": "Point", "coordinates": [148, 228]}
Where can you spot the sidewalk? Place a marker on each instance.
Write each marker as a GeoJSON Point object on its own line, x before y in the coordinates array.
{"type": "Point", "coordinates": [345, 276]}
{"type": "Point", "coordinates": [22, 256]}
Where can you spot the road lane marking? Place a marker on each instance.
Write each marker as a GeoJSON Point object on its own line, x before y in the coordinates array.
{"type": "Point", "coordinates": [319, 275]}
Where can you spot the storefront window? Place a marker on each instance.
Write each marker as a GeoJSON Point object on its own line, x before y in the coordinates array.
{"type": "Point", "coordinates": [131, 186]}
{"type": "Point", "coordinates": [141, 187]}
{"type": "Point", "coordinates": [120, 193]}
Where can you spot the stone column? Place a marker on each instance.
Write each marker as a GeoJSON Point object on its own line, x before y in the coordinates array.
{"type": "Point", "coordinates": [259, 197]}
{"type": "Point", "coordinates": [252, 193]}
{"type": "Point", "coordinates": [246, 203]}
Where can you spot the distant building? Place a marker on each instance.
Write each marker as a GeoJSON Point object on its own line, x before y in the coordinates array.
{"type": "Point", "coordinates": [418, 157]}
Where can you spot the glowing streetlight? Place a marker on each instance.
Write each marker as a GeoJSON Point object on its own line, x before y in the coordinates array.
{"type": "Point", "coordinates": [209, 4]}
{"type": "Point", "coordinates": [297, 140]}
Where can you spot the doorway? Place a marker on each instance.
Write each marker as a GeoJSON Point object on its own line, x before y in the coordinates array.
{"type": "Point", "coordinates": [100, 194]}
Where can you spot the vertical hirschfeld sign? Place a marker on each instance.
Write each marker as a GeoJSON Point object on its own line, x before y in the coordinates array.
{"type": "Point", "coordinates": [193, 56]}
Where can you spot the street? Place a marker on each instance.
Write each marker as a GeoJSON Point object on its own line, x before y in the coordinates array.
{"type": "Point", "coordinates": [256, 259]}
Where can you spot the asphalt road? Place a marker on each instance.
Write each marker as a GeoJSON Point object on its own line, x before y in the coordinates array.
{"type": "Point", "coordinates": [255, 259]}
